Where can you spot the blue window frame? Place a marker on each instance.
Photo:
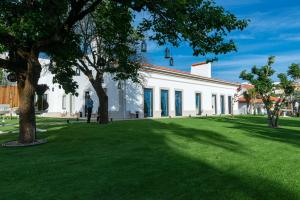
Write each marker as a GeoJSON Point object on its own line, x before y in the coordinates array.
{"type": "Point", "coordinates": [178, 103]}
{"type": "Point", "coordinates": [222, 99]}
{"type": "Point", "coordinates": [214, 104]}
{"type": "Point", "coordinates": [164, 103]}
{"type": "Point", "coordinates": [198, 104]}
{"type": "Point", "coordinates": [148, 102]}
{"type": "Point", "coordinates": [229, 105]}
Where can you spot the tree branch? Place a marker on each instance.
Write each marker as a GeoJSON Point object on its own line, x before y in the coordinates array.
{"type": "Point", "coordinates": [89, 61]}
{"type": "Point", "coordinates": [80, 15]}
{"type": "Point", "coordinates": [76, 14]}
{"type": "Point", "coordinates": [85, 69]}
{"type": "Point", "coordinates": [7, 39]}
{"type": "Point", "coordinates": [6, 64]}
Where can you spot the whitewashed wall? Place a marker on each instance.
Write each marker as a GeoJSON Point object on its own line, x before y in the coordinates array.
{"type": "Point", "coordinates": [75, 104]}
{"type": "Point", "coordinates": [201, 69]}
{"type": "Point", "coordinates": [189, 88]}
{"type": "Point", "coordinates": [124, 102]}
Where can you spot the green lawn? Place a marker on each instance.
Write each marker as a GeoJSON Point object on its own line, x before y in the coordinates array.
{"type": "Point", "coordinates": [195, 158]}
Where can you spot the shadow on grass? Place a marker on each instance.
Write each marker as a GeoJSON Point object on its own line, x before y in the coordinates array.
{"type": "Point", "coordinates": [146, 159]}
{"type": "Point", "coordinates": [289, 131]}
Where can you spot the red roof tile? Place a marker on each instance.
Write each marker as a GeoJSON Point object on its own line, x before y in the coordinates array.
{"type": "Point", "coordinates": [243, 100]}
{"type": "Point", "coordinates": [167, 69]}
{"type": "Point", "coordinates": [199, 63]}
{"type": "Point", "coordinates": [247, 86]}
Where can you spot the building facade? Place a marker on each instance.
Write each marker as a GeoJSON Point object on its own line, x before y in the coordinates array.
{"type": "Point", "coordinates": [163, 92]}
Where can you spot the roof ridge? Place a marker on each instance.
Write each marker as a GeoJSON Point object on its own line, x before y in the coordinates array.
{"type": "Point", "coordinates": [199, 63]}
{"type": "Point", "coordinates": [187, 73]}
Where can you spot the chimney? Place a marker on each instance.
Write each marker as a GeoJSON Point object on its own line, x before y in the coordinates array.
{"type": "Point", "coordinates": [201, 69]}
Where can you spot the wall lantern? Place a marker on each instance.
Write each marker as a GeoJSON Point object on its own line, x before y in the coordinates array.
{"type": "Point", "coordinates": [167, 53]}
{"type": "Point", "coordinates": [144, 46]}
{"type": "Point", "coordinates": [119, 85]}
{"type": "Point", "coordinates": [171, 61]}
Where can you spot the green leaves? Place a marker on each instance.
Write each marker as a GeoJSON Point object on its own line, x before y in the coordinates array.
{"type": "Point", "coordinates": [285, 84]}
{"type": "Point", "coordinates": [294, 71]}
{"type": "Point", "coordinates": [261, 78]}
{"type": "Point", "coordinates": [48, 26]}
{"type": "Point", "coordinates": [202, 24]}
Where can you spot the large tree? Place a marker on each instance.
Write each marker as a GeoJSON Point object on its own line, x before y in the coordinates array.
{"type": "Point", "coordinates": [109, 45]}
{"type": "Point", "coordinates": [109, 39]}
{"type": "Point", "coordinates": [28, 28]}
{"type": "Point", "coordinates": [265, 87]}
{"type": "Point", "coordinates": [31, 27]}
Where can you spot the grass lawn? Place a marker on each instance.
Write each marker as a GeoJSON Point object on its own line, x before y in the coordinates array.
{"type": "Point", "coordinates": [195, 158]}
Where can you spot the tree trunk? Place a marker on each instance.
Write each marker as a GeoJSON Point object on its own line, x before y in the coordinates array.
{"type": "Point", "coordinates": [270, 119]}
{"type": "Point", "coordinates": [248, 108]}
{"type": "Point", "coordinates": [254, 108]}
{"type": "Point", "coordinates": [276, 121]}
{"type": "Point", "coordinates": [27, 83]}
{"type": "Point", "coordinates": [276, 116]}
{"type": "Point", "coordinates": [103, 100]}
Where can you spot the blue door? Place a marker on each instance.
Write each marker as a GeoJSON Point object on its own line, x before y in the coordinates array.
{"type": "Point", "coordinates": [178, 103]}
{"type": "Point", "coordinates": [148, 102]}
{"type": "Point", "coordinates": [214, 104]}
{"type": "Point", "coordinates": [229, 105]}
{"type": "Point", "coordinates": [222, 104]}
{"type": "Point", "coordinates": [198, 103]}
{"type": "Point", "coordinates": [164, 103]}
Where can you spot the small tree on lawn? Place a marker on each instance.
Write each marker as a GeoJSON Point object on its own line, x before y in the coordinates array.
{"type": "Point", "coordinates": [261, 78]}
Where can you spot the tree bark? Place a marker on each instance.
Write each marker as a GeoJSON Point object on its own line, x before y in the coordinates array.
{"type": "Point", "coordinates": [27, 83]}
{"type": "Point", "coordinates": [248, 108]}
{"type": "Point", "coordinates": [270, 119]}
{"type": "Point", "coordinates": [103, 100]}
{"type": "Point", "coordinates": [276, 121]}
{"type": "Point", "coordinates": [254, 109]}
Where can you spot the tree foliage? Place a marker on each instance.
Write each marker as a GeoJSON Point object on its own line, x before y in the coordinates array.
{"type": "Point", "coordinates": [108, 44]}
{"type": "Point", "coordinates": [264, 85]}
{"type": "Point", "coordinates": [202, 24]}
{"type": "Point", "coordinates": [294, 71]}
{"type": "Point", "coordinates": [1, 75]}
{"type": "Point", "coordinates": [31, 27]}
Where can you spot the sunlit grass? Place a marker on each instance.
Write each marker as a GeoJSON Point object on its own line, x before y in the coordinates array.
{"type": "Point", "coordinates": [194, 158]}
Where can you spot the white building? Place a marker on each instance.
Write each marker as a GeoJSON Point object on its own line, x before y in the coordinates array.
{"type": "Point", "coordinates": [164, 92]}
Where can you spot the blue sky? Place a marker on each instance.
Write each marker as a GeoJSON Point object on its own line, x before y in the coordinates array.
{"type": "Point", "coordinates": [274, 30]}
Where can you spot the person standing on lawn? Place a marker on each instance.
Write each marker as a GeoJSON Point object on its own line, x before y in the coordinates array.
{"type": "Point", "coordinates": [89, 106]}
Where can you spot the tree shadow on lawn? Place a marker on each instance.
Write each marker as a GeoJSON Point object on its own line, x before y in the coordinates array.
{"type": "Point", "coordinates": [288, 132]}
{"type": "Point", "coordinates": [146, 159]}
{"type": "Point", "coordinates": [261, 120]}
